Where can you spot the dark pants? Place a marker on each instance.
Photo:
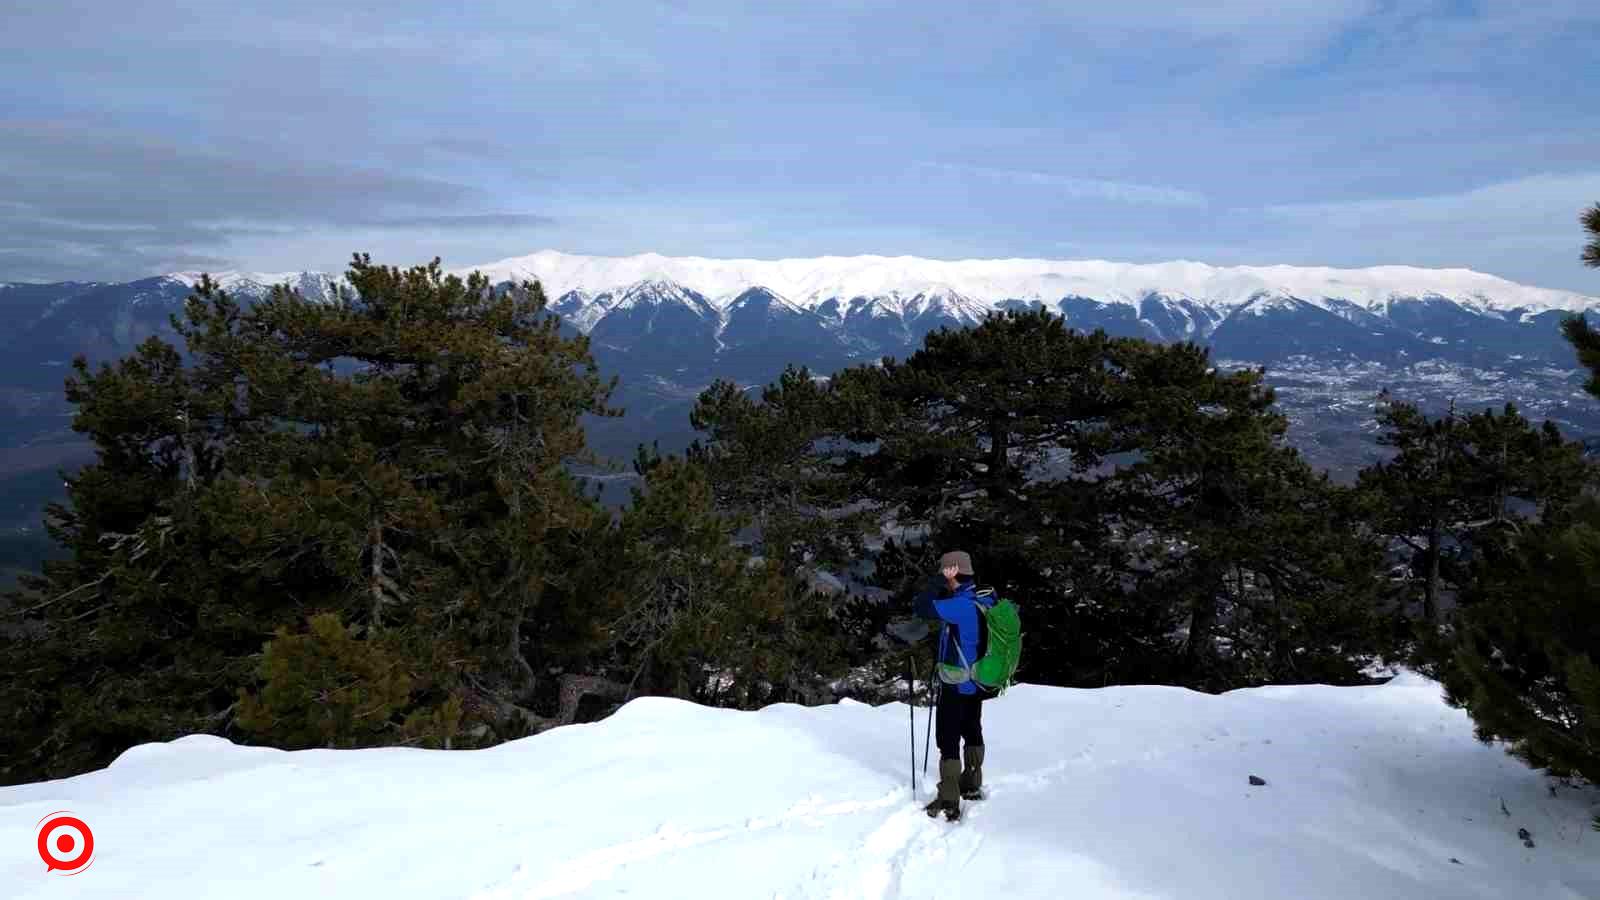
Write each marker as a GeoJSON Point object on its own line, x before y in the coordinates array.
{"type": "Point", "coordinates": [960, 718]}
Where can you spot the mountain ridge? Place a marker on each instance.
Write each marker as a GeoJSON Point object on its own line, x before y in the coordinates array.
{"type": "Point", "coordinates": [808, 283]}
{"type": "Point", "coordinates": [686, 314]}
{"type": "Point", "coordinates": [811, 282]}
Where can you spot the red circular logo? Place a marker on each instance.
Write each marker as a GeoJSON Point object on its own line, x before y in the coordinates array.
{"type": "Point", "coordinates": [66, 844]}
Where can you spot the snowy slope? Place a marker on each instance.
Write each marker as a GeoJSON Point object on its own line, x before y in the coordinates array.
{"type": "Point", "coordinates": [1125, 792]}
{"type": "Point", "coordinates": [810, 282]}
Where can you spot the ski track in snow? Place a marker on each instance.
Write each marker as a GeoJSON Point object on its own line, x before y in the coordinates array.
{"type": "Point", "coordinates": [905, 834]}
{"type": "Point", "coordinates": [876, 869]}
{"type": "Point", "coordinates": [598, 865]}
{"type": "Point", "coordinates": [910, 855]}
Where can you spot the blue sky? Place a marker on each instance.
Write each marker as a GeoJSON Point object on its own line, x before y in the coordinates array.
{"type": "Point", "coordinates": [140, 137]}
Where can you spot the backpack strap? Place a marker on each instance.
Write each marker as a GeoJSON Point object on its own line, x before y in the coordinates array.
{"type": "Point", "coordinates": [983, 599]}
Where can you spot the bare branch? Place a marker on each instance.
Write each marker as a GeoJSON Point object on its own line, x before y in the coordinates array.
{"type": "Point", "coordinates": [96, 583]}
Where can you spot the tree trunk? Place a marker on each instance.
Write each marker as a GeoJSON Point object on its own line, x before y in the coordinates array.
{"type": "Point", "coordinates": [1501, 488]}
{"type": "Point", "coordinates": [1202, 624]}
{"type": "Point", "coordinates": [999, 456]}
{"type": "Point", "coordinates": [375, 588]}
{"type": "Point", "coordinates": [522, 674]}
{"type": "Point", "coordinates": [190, 462]}
{"type": "Point", "coordinates": [508, 712]}
{"type": "Point", "coordinates": [1430, 592]}
{"type": "Point", "coordinates": [573, 689]}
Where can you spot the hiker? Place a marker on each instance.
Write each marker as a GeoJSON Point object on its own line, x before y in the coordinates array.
{"type": "Point", "coordinates": [954, 606]}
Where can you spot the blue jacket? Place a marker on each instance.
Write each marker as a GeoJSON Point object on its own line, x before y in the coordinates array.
{"type": "Point", "coordinates": [959, 612]}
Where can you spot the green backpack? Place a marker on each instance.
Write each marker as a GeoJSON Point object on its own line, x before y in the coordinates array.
{"type": "Point", "coordinates": [998, 664]}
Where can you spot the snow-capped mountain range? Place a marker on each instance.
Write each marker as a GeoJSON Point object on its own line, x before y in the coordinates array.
{"type": "Point", "coordinates": [863, 306]}
{"type": "Point", "coordinates": [988, 283]}
{"type": "Point", "coordinates": [1330, 338]}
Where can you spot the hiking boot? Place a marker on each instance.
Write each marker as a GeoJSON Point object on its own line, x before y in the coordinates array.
{"type": "Point", "coordinates": [972, 775]}
{"type": "Point", "coordinates": [949, 799]}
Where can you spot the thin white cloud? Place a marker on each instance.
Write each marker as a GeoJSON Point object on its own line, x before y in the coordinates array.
{"type": "Point", "coordinates": [1082, 188]}
{"type": "Point", "coordinates": [1508, 208]}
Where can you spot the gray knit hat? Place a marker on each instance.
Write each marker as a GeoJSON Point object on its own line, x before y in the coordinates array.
{"type": "Point", "coordinates": [957, 558]}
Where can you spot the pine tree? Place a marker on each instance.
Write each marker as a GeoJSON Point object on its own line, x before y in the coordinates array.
{"type": "Point", "coordinates": [1524, 660]}
{"type": "Point", "coordinates": [988, 438]}
{"type": "Point", "coordinates": [999, 439]}
{"type": "Point", "coordinates": [1591, 224]}
{"type": "Point", "coordinates": [983, 410]}
{"type": "Point", "coordinates": [769, 460]}
{"type": "Point", "coordinates": [1584, 339]}
{"type": "Point", "coordinates": [397, 458]}
{"type": "Point", "coordinates": [325, 688]}
{"type": "Point", "coordinates": [1231, 523]}
{"type": "Point", "coordinates": [1421, 492]}
{"type": "Point", "coordinates": [1458, 483]}
{"type": "Point", "coordinates": [700, 617]}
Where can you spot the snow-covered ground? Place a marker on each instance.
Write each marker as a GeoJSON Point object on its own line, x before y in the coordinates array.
{"type": "Point", "coordinates": [1372, 792]}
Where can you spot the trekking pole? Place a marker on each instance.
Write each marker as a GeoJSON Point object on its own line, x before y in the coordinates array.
{"type": "Point", "coordinates": [911, 709]}
{"type": "Point", "coordinates": [933, 701]}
